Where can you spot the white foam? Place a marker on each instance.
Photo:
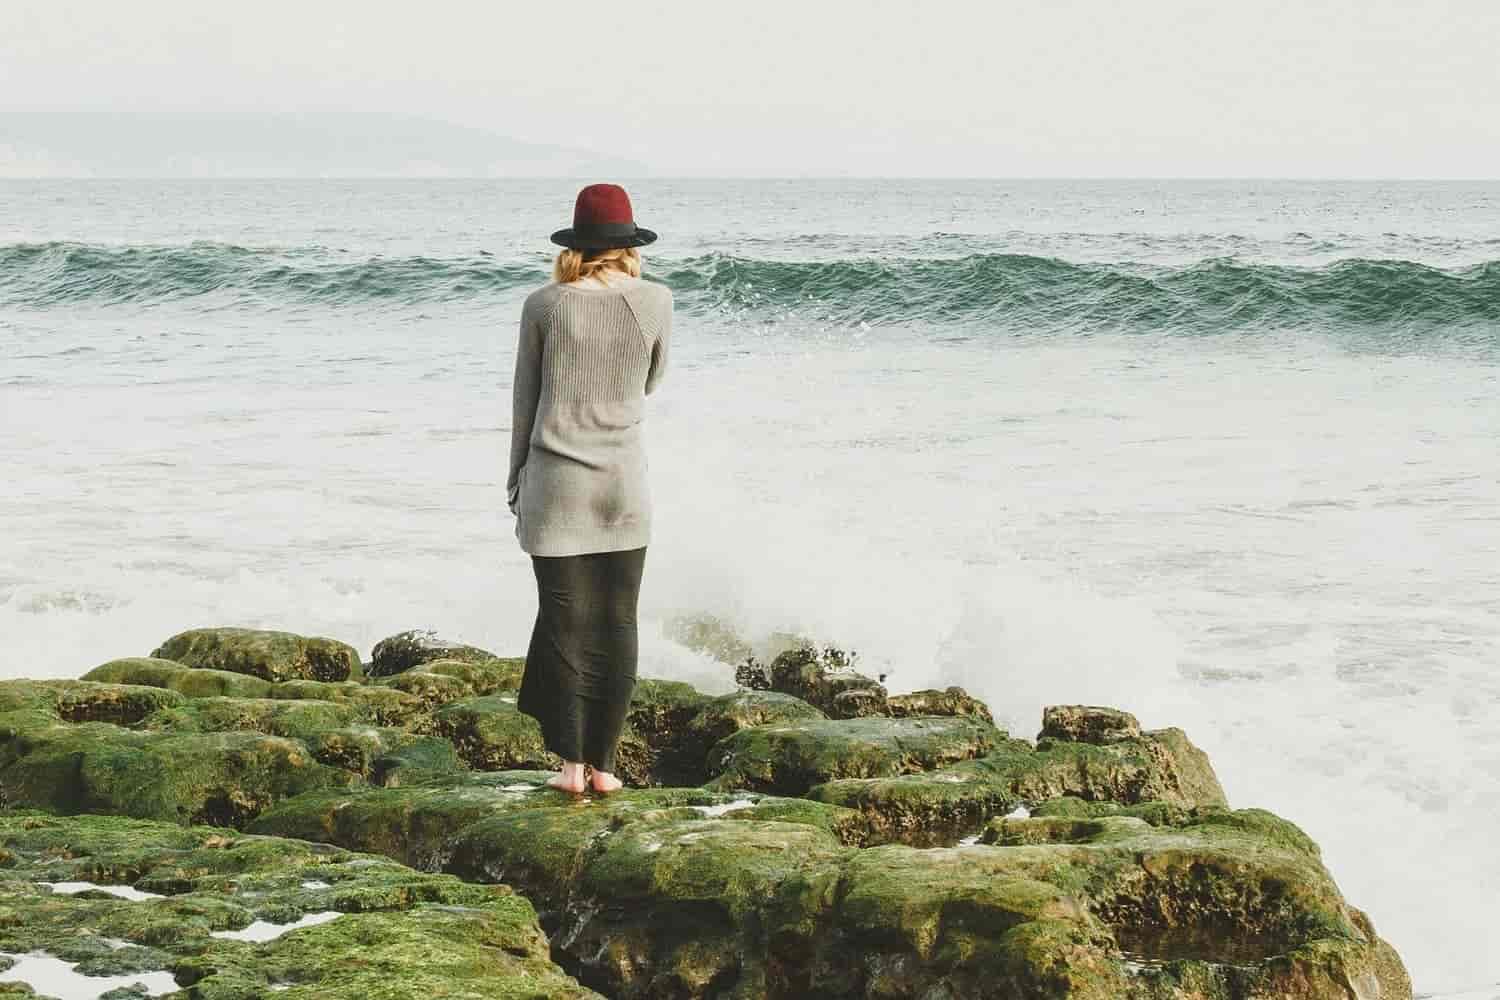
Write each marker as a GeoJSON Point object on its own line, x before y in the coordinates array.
{"type": "Point", "coordinates": [262, 930]}
{"type": "Point", "coordinates": [1019, 812]}
{"type": "Point", "coordinates": [53, 977]}
{"type": "Point", "coordinates": [123, 891]}
{"type": "Point", "coordinates": [315, 884]}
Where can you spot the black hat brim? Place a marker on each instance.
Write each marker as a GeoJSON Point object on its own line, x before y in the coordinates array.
{"type": "Point", "coordinates": [568, 238]}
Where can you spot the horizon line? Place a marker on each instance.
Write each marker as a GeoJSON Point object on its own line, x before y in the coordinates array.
{"type": "Point", "coordinates": [937, 178]}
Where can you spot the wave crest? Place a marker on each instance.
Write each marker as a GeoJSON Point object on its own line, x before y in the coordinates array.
{"type": "Point", "coordinates": [1005, 291]}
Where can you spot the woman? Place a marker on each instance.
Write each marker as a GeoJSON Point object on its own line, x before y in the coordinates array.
{"type": "Point", "coordinates": [593, 345]}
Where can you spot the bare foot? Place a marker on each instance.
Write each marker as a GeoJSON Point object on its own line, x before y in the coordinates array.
{"type": "Point", "coordinates": [569, 779]}
{"type": "Point", "coordinates": [603, 781]}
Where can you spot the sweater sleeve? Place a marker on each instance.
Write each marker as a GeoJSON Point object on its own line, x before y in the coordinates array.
{"type": "Point", "coordinates": [526, 388]}
{"type": "Point", "coordinates": [660, 346]}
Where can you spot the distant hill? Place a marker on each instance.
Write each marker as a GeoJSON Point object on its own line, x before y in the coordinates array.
{"type": "Point", "coordinates": [367, 144]}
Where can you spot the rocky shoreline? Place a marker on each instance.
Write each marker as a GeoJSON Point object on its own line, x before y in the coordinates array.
{"type": "Point", "coordinates": [810, 834]}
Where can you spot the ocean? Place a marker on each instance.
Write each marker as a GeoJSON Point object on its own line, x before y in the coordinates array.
{"type": "Point", "coordinates": [1223, 454]}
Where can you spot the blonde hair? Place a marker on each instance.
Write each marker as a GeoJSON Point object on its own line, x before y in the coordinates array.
{"type": "Point", "coordinates": [571, 265]}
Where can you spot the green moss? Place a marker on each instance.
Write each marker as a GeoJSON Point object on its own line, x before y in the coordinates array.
{"type": "Point", "coordinates": [1155, 813]}
{"type": "Point", "coordinates": [931, 701]}
{"type": "Point", "coordinates": [1161, 766]}
{"type": "Point", "coordinates": [267, 654]}
{"type": "Point", "coordinates": [491, 734]}
{"type": "Point", "coordinates": [415, 825]}
{"type": "Point", "coordinates": [300, 720]}
{"type": "Point", "coordinates": [185, 680]}
{"type": "Point", "coordinates": [145, 670]}
{"type": "Point", "coordinates": [826, 679]}
{"type": "Point", "coordinates": [784, 906]}
{"type": "Point", "coordinates": [429, 689]}
{"type": "Point", "coordinates": [1088, 724]}
{"type": "Point", "coordinates": [403, 933]}
{"type": "Point", "coordinates": [789, 758]}
{"type": "Point", "coordinates": [926, 809]}
{"type": "Point", "coordinates": [659, 709]}
{"type": "Point", "coordinates": [471, 953]}
{"type": "Point", "coordinates": [84, 701]}
{"type": "Point", "coordinates": [224, 778]}
{"type": "Point", "coordinates": [484, 676]}
{"type": "Point", "coordinates": [407, 650]}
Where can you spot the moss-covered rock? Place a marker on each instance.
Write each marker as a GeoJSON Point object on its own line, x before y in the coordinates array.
{"type": "Point", "coordinates": [939, 806]}
{"type": "Point", "coordinates": [709, 898]}
{"type": "Point", "coordinates": [727, 714]}
{"type": "Point", "coordinates": [1161, 765]}
{"type": "Point", "coordinates": [417, 825]}
{"type": "Point", "coordinates": [1088, 724]}
{"type": "Point", "coordinates": [477, 952]}
{"type": "Point", "coordinates": [85, 701]}
{"type": "Point", "coordinates": [378, 704]}
{"type": "Point", "coordinates": [688, 892]}
{"type": "Point", "coordinates": [420, 824]}
{"type": "Point", "coordinates": [789, 758]}
{"type": "Point", "coordinates": [181, 678]}
{"type": "Point", "coordinates": [438, 682]}
{"type": "Point", "coordinates": [931, 701]}
{"type": "Point", "coordinates": [267, 654]}
{"type": "Point", "coordinates": [295, 719]}
{"type": "Point", "coordinates": [384, 755]}
{"type": "Point", "coordinates": [414, 647]}
{"type": "Point", "coordinates": [220, 778]}
{"type": "Point", "coordinates": [1238, 898]}
{"type": "Point", "coordinates": [491, 734]}
{"type": "Point", "coordinates": [394, 933]}
{"type": "Point", "coordinates": [1131, 878]}
{"type": "Point", "coordinates": [659, 709]}
{"type": "Point", "coordinates": [925, 809]}
{"type": "Point", "coordinates": [827, 680]}
{"type": "Point", "coordinates": [658, 747]}
{"type": "Point", "coordinates": [1155, 813]}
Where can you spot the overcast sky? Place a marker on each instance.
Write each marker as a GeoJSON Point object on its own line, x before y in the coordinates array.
{"type": "Point", "coordinates": [1312, 88]}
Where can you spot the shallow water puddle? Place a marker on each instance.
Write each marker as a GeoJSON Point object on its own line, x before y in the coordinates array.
{"type": "Point", "coordinates": [724, 807]}
{"type": "Point", "coordinates": [262, 930]}
{"type": "Point", "coordinates": [123, 891]}
{"type": "Point", "coordinates": [53, 977]}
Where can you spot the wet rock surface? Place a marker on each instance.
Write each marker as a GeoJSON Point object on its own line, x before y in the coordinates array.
{"type": "Point", "coordinates": [1088, 724]}
{"type": "Point", "coordinates": [263, 653]}
{"type": "Point", "coordinates": [399, 653]}
{"type": "Point", "coordinates": [326, 922]}
{"type": "Point", "coordinates": [789, 758]}
{"type": "Point", "coordinates": [395, 832]}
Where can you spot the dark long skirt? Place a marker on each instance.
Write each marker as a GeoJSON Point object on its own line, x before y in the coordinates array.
{"type": "Point", "coordinates": [580, 666]}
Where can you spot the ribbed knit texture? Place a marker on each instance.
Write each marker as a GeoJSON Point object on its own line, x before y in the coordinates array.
{"type": "Point", "coordinates": [586, 360]}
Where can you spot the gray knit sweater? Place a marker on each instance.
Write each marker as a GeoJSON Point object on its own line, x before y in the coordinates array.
{"type": "Point", "coordinates": [586, 360]}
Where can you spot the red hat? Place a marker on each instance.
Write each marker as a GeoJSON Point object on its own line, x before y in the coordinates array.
{"type": "Point", "coordinates": [602, 220]}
